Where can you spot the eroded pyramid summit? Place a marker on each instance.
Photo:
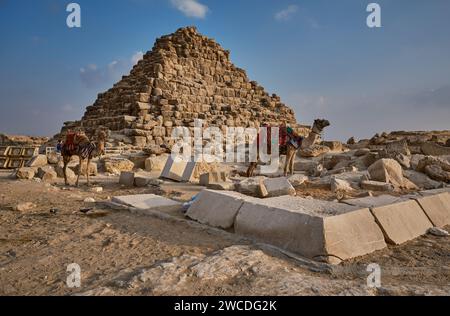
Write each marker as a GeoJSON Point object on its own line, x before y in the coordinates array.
{"type": "Point", "coordinates": [186, 76]}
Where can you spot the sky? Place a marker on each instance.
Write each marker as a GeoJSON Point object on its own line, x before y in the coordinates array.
{"type": "Point", "coordinates": [318, 55]}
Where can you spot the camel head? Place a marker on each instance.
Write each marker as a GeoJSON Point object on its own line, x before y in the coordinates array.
{"type": "Point", "coordinates": [320, 125]}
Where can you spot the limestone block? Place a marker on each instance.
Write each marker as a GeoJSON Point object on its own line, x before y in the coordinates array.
{"type": "Point", "coordinates": [26, 173]}
{"type": "Point", "coordinates": [278, 187]}
{"type": "Point", "coordinates": [147, 202]}
{"type": "Point", "coordinates": [127, 178]}
{"type": "Point", "coordinates": [217, 209]}
{"type": "Point", "coordinates": [437, 208]}
{"type": "Point", "coordinates": [402, 222]}
{"type": "Point", "coordinates": [38, 161]}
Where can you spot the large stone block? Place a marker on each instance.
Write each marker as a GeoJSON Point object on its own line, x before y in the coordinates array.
{"type": "Point", "coordinates": [38, 161]}
{"type": "Point", "coordinates": [315, 229]}
{"type": "Point", "coordinates": [437, 208]}
{"type": "Point", "coordinates": [127, 178]}
{"type": "Point", "coordinates": [146, 202]}
{"type": "Point", "coordinates": [218, 209]}
{"type": "Point", "coordinates": [277, 187]}
{"type": "Point", "coordinates": [26, 173]}
{"type": "Point", "coordinates": [402, 222]}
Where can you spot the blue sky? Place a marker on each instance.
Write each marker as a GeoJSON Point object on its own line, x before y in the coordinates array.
{"type": "Point", "coordinates": [318, 55]}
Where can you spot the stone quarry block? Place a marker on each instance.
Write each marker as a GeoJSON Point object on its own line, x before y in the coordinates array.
{"type": "Point", "coordinates": [376, 186]}
{"type": "Point", "coordinates": [387, 170]}
{"type": "Point", "coordinates": [141, 181]}
{"type": "Point", "coordinates": [174, 170]}
{"type": "Point", "coordinates": [127, 178]}
{"type": "Point", "coordinates": [213, 177]}
{"type": "Point", "coordinates": [437, 208]}
{"type": "Point", "coordinates": [402, 222]}
{"type": "Point", "coordinates": [217, 209]}
{"type": "Point", "coordinates": [315, 229]}
{"type": "Point", "coordinates": [147, 202]}
{"type": "Point", "coordinates": [38, 161]}
{"type": "Point", "coordinates": [277, 187]}
{"type": "Point", "coordinates": [117, 165]}
{"type": "Point", "coordinates": [26, 173]}
{"type": "Point", "coordinates": [156, 163]}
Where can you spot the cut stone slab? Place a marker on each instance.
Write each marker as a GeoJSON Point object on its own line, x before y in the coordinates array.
{"type": "Point", "coordinates": [315, 229]}
{"type": "Point", "coordinates": [374, 201]}
{"type": "Point", "coordinates": [147, 202]}
{"type": "Point", "coordinates": [278, 187]}
{"type": "Point", "coordinates": [127, 178]}
{"type": "Point", "coordinates": [402, 222]}
{"type": "Point", "coordinates": [437, 208]}
{"type": "Point", "coordinates": [178, 171]}
{"type": "Point", "coordinates": [213, 177]}
{"type": "Point", "coordinates": [217, 208]}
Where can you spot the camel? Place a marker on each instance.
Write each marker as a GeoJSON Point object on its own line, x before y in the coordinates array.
{"type": "Point", "coordinates": [79, 145]}
{"type": "Point", "coordinates": [291, 150]}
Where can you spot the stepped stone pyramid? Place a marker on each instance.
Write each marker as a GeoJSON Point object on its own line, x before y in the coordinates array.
{"type": "Point", "coordinates": [186, 76]}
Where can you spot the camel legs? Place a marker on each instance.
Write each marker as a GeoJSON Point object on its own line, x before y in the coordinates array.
{"type": "Point", "coordinates": [87, 171]}
{"type": "Point", "coordinates": [251, 169]}
{"type": "Point", "coordinates": [79, 170]}
{"type": "Point", "coordinates": [290, 159]}
{"type": "Point", "coordinates": [66, 162]}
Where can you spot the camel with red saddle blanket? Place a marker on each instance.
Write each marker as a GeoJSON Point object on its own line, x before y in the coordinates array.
{"type": "Point", "coordinates": [290, 143]}
{"type": "Point", "coordinates": [78, 144]}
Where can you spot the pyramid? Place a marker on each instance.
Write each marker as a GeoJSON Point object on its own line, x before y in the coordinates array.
{"type": "Point", "coordinates": [186, 76]}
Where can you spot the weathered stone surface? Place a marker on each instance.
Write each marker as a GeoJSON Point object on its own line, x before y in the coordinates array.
{"type": "Point", "coordinates": [308, 228]}
{"type": "Point", "coordinates": [117, 165]}
{"type": "Point", "coordinates": [314, 151]}
{"type": "Point", "coordinates": [47, 174]}
{"type": "Point", "coordinates": [53, 158]}
{"type": "Point", "coordinates": [26, 173]}
{"type": "Point", "coordinates": [146, 202]}
{"type": "Point", "coordinates": [437, 208]}
{"type": "Point", "coordinates": [251, 186]}
{"type": "Point", "coordinates": [218, 209]}
{"type": "Point", "coordinates": [433, 149]}
{"type": "Point", "coordinates": [38, 161]}
{"type": "Point", "coordinates": [387, 170]}
{"type": "Point", "coordinates": [222, 186]}
{"type": "Point", "coordinates": [69, 172]}
{"type": "Point", "coordinates": [174, 170]}
{"type": "Point", "coordinates": [277, 187]}
{"type": "Point", "coordinates": [213, 177]}
{"type": "Point", "coordinates": [127, 178]}
{"type": "Point", "coordinates": [156, 163]}
{"type": "Point", "coordinates": [377, 186]}
{"type": "Point", "coordinates": [421, 180]}
{"type": "Point", "coordinates": [297, 180]}
{"type": "Point", "coordinates": [141, 181]}
{"type": "Point", "coordinates": [25, 206]}
{"type": "Point", "coordinates": [402, 222]}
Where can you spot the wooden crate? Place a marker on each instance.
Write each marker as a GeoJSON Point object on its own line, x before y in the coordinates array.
{"type": "Point", "coordinates": [15, 152]}
{"type": "Point", "coordinates": [4, 150]}
{"type": "Point", "coordinates": [29, 152]}
{"type": "Point", "coordinates": [4, 162]}
{"type": "Point", "coordinates": [15, 163]}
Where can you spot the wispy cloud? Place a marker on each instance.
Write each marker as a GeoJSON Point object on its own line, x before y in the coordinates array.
{"type": "Point", "coordinates": [94, 76]}
{"type": "Point", "coordinates": [191, 8]}
{"type": "Point", "coordinates": [287, 13]}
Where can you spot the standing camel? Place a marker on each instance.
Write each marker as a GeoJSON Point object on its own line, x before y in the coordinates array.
{"type": "Point", "coordinates": [291, 150]}
{"type": "Point", "coordinates": [80, 145]}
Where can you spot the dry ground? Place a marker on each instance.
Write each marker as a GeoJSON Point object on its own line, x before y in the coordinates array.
{"type": "Point", "coordinates": [127, 254]}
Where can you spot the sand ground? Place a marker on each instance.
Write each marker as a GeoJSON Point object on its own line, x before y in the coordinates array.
{"type": "Point", "coordinates": [121, 253]}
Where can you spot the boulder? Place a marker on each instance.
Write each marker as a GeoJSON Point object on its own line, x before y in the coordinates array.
{"type": "Point", "coordinates": [334, 145]}
{"type": "Point", "coordinates": [251, 186]}
{"type": "Point", "coordinates": [298, 179]}
{"type": "Point", "coordinates": [156, 163]}
{"type": "Point", "coordinates": [117, 165]}
{"type": "Point", "coordinates": [314, 151]}
{"type": "Point", "coordinates": [26, 173]}
{"type": "Point", "coordinates": [340, 186]}
{"type": "Point", "coordinates": [433, 149]}
{"type": "Point", "coordinates": [362, 152]}
{"type": "Point", "coordinates": [53, 158]}
{"type": "Point", "coordinates": [141, 181]}
{"type": "Point", "coordinates": [126, 178]}
{"type": "Point", "coordinates": [388, 171]}
{"type": "Point", "coordinates": [437, 173]}
{"type": "Point", "coordinates": [398, 148]}
{"type": "Point", "coordinates": [421, 180]}
{"type": "Point", "coordinates": [69, 172]}
{"type": "Point", "coordinates": [38, 161]}
{"type": "Point", "coordinates": [24, 206]}
{"type": "Point", "coordinates": [377, 186]}
{"type": "Point", "coordinates": [47, 174]}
